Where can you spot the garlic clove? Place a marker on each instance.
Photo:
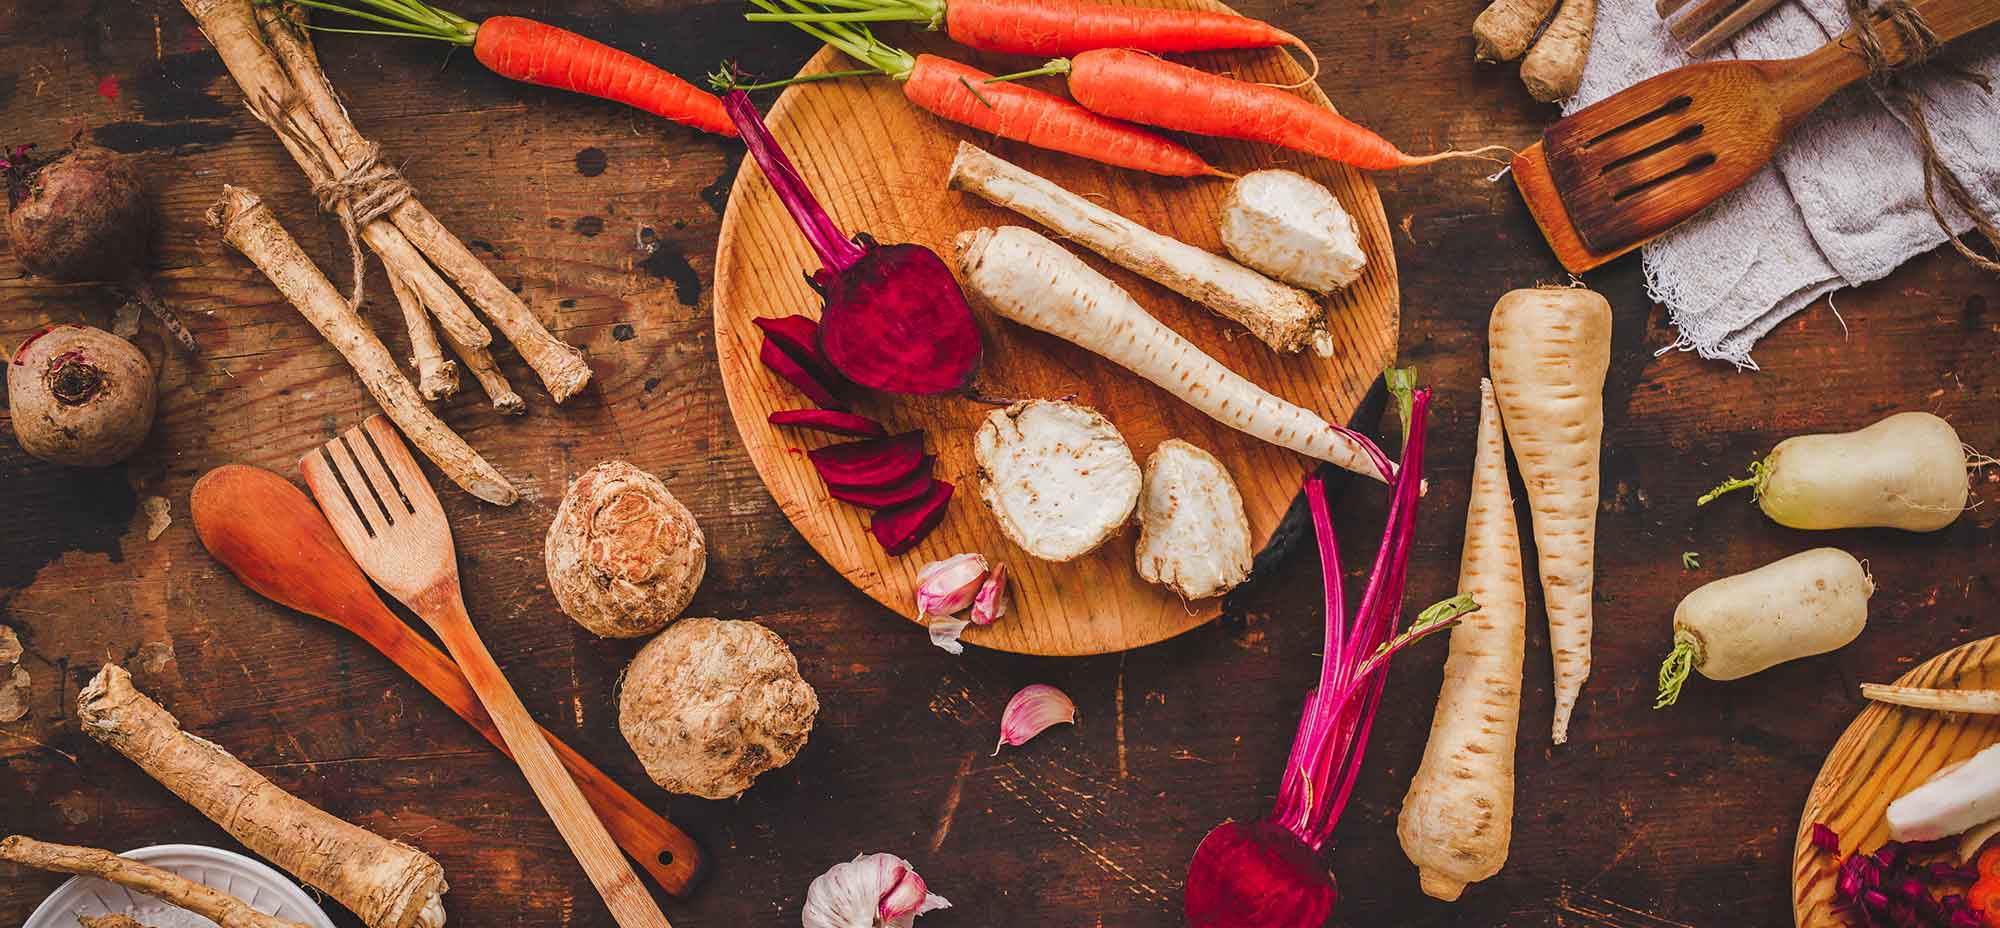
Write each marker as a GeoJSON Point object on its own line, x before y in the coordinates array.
{"type": "Point", "coordinates": [1032, 711]}
{"type": "Point", "coordinates": [905, 895]}
{"type": "Point", "coordinates": [991, 601]}
{"type": "Point", "coordinates": [946, 587]}
{"type": "Point", "coordinates": [874, 890]}
{"type": "Point", "coordinates": [945, 632]}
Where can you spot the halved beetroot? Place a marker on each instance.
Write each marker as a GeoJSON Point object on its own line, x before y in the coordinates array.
{"type": "Point", "coordinates": [896, 320]}
{"type": "Point", "coordinates": [781, 363]}
{"type": "Point", "coordinates": [798, 337]}
{"type": "Point", "coordinates": [899, 529]}
{"type": "Point", "coordinates": [830, 420]}
{"type": "Point", "coordinates": [885, 497]}
{"type": "Point", "coordinates": [873, 464]}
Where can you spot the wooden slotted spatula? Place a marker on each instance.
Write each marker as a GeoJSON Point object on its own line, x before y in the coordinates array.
{"type": "Point", "coordinates": [272, 537]}
{"type": "Point", "coordinates": [389, 519]}
{"type": "Point", "coordinates": [1611, 176]}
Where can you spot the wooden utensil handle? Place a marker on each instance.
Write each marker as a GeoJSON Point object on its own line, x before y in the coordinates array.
{"type": "Point", "coordinates": [631, 906]}
{"type": "Point", "coordinates": [662, 850]}
{"type": "Point", "coordinates": [1948, 18]}
{"type": "Point", "coordinates": [1802, 84]}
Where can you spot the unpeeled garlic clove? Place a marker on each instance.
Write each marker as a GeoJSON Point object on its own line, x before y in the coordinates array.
{"type": "Point", "coordinates": [946, 587]}
{"type": "Point", "coordinates": [991, 601]}
{"type": "Point", "coordinates": [945, 632]}
{"type": "Point", "coordinates": [878, 890]}
{"type": "Point", "coordinates": [1032, 711]}
{"type": "Point", "coordinates": [906, 894]}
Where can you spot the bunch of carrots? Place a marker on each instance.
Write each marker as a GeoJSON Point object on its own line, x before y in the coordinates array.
{"type": "Point", "coordinates": [1118, 85]}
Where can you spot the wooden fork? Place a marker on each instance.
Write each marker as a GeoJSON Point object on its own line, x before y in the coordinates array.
{"type": "Point", "coordinates": [388, 517]}
{"type": "Point", "coordinates": [1637, 163]}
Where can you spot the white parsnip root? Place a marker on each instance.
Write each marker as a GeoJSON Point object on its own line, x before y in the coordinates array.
{"type": "Point", "coordinates": [387, 883]}
{"type": "Point", "coordinates": [1974, 702]}
{"type": "Point", "coordinates": [1286, 318]}
{"type": "Point", "coordinates": [248, 226]}
{"type": "Point", "coordinates": [1551, 349]}
{"type": "Point", "coordinates": [1023, 276]}
{"type": "Point", "coordinates": [216, 906]}
{"type": "Point", "coordinates": [1458, 817]}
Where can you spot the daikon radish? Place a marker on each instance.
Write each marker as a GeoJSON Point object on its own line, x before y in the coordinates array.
{"type": "Point", "coordinates": [1799, 606]}
{"type": "Point", "coordinates": [1907, 471]}
{"type": "Point", "coordinates": [1458, 816]}
{"type": "Point", "coordinates": [1023, 276]}
{"type": "Point", "coordinates": [1551, 347]}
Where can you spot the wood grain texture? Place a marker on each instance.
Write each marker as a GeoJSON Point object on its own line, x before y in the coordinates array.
{"type": "Point", "coordinates": [879, 165]}
{"type": "Point", "coordinates": [1888, 751]}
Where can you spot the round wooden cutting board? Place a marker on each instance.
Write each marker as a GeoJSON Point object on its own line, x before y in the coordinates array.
{"type": "Point", "coordinates": [1887, 752]}
{"type": "Point", "coordinates": [878, 164]}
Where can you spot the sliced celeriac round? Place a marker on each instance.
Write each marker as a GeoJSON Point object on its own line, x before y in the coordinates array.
{"type": "Point", "coordinates": [1291, 227]}
{"type": "Point", "coordinates": [1193, 536]}
{"type": "Point", "coordinates": [1057, 477]}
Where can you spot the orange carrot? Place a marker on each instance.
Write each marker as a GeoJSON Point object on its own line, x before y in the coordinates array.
{"type": "Point", "coordinates": [537, 53]}
{"type": "Point", "coordinates": [1058, 27]}
{"type": "Point", "coordinates": [1138, 87]}
{"type": "Point", "coordinates": [963, 94]}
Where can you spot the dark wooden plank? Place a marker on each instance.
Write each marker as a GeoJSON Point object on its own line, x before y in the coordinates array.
{"type": "Point", "coordinates": [1669, 818]}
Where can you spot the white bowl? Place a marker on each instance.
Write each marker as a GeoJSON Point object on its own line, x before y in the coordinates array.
{"type": "Point", "coordinates": [263, 888]}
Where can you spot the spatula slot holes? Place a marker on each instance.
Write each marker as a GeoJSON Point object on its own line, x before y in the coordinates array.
{"type": "Point", "coordinates": [1657, 113]}
{"type": "Point", "coordinates": [1688, 134]}
{"type": "Point", "coordinates": [353, 505]}
{"type": "Point", "coordinates": [367, 481]}
{"type": "Point", "coordinates": [388, 471]}
{"type": "Point", "coordinates": [1698, 163]}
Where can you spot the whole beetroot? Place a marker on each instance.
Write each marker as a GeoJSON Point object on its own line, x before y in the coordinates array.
{"type": "Point", "coordinates": [85, 217]}
{"type": "Point", "coordinates": [80, 396]}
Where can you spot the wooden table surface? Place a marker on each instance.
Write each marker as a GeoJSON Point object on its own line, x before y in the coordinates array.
{"type": "Point", "coordinates": [606, 220]}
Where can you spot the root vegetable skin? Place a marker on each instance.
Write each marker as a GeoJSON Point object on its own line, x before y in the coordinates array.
{"type": "Point", "coordinates": [1291, 227]}
{"type": "Point", "coordinates": [1281, 316]}
{"type": "Point", "coordinates": [1058, 477]}
{"type": "Point", "coordinates": [1810, 603]}
{"type": "Point", "coordinates": [1194, 538]}
{"type": "Point", "coordinates": [1458, 816]}
{"type": "Point", "coordinates": [80, 396]}
{"type": "Point", "coordinates": [1551, 349]}
{"type": "Point", "coordinates": [85, 216]}
{"type": "Point", "coordinates": [1907, 471]}
{"type": "Point", "coordinates": [387, 883]}
{"type": "Point", "coordinates": [216, 906]}
{"type": "Point", "coordinates": [1554, 66]}
{"type": "Point", "coordinates": [1506, 27]}
{"type": "Point", "coordinates": [1024, 277]}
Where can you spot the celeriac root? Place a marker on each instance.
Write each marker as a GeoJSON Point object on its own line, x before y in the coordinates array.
{"type": "Point", "coordinates": [1554, 67]}
{"type": "Point", "coordinates": [248, 226]}
{"type": "Point", "coordinates": [1284, 317]}
{"type": "Point", "coordinates": [387, 883]}
{"type": "Point", "coordinates": [214, 905]}
{"type": "Point", "coordinates": [1505, 28]}
{"type": "Point", "coordinates": [437, 378]}
{"type": "Point", "coordinates": [1976, 702]}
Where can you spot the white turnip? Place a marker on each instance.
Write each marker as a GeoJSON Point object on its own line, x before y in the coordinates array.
{"type": "Point", "coordinates": [1907, 471]}
{"type": "Point", "coordinates": [1810, 603]}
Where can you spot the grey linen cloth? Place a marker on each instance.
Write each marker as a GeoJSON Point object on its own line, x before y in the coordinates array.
{"type": "Point", "coordinates": [1841, 204]}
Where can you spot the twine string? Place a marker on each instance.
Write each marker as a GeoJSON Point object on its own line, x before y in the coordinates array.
{"type": "Point", "coordinates": [368, 189]}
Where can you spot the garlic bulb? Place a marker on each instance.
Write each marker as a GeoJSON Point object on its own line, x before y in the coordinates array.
{"type": "Point", "coordinates": [870, 891]}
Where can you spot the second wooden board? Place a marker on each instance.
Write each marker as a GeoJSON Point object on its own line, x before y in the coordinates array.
{"type": "Point", "coordinates": [1888, 751]}
{"type": "Point", "coordinates": [878, 165]}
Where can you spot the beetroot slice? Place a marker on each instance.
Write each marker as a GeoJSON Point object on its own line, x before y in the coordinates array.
{"type": "Point", "coordinates": [896, 321]}
{"type": "Point", "coordinates": [830, 420]}
{"type": "Point", "coordinates": [886, 497]}
{"type": "Point", "coordinates": [798, 337]}
{"type": "Point", "coordinates": [899, 529]}
{"type": "Point", "coordinates": [782, 364]}
{"type": "Point", "coordinates": [877, 463]}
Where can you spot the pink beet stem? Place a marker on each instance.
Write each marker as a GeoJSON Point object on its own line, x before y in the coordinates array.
{"type": "Point", "coordinates": [835, 252]}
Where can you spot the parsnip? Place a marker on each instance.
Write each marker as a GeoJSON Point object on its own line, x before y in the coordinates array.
{"type": "Point", "coordinates": [1458, 816]}
{"type": "Point", "coordinates": [1283, 317]}
{"type": "Point", "coordinates": [1907, 471]}
{"type": "Point", "coordinates": [1023, 276]}
{"type": "Point", "coordinates": [1799, 606]}
{"type": "Point", "coordinates": [1551, 348]}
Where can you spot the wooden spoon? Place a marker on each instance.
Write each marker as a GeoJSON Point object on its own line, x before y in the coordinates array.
{"type": "Point", "coordinates": [267, 532]}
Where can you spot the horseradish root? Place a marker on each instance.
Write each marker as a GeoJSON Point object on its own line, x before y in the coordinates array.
{"type": "Point", "coordinates": [1291, 227]}
{"type": "Point", "coordinates": [1908, 471]}
{"type": "Point", "coordinates": [1458, 817]}
{"type": "Point", "coordinates": [1025, 277]}
{"type": "Point", "coordinates": [387, 883]}
{"type": "Point", "coordinates": [1506, 27]}
{"type": "Point", "coordinates": [623, 555]}
{"type": "Point", "coordinates": [248, 226]}
{"type": "Point", "coordinates": [1806, 604]}
{"type": "Point", "coordinates": [437, 378]}
{"type": "Point", "coordinates": [80, 396]}
{"type": "Point", "coordinates": [1057, 476]}
{"type": "Point", "coordinates": [216, 906]}
{"type": "Point", "coordinates": [1194, 538]}
{"type": "Point", "coordinates": [1551, 348]}
{"type": "Point", "coordinates": [1283, 317]}
{"type": "Point", "coordinates": [709, 705]}
{"type": "Point", "coordinates": [1554, 67]}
